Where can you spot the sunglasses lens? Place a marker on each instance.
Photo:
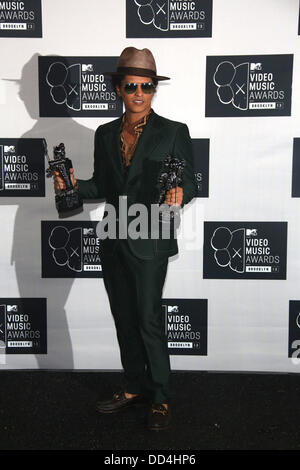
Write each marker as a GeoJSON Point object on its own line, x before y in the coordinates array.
{"type": "Point", "coordinates": [130, 88]}
{"type": "Point", "coordinates": [148, 87]}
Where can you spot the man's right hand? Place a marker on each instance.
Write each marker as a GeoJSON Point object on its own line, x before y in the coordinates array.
{"type": "Point", "coordinates": [59, 184]}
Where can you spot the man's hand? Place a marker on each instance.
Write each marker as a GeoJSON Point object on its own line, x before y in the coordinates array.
{"type": "Point", "coordinates": [59, 184]}
{"type": "Point", "coordinates": [174, 196]}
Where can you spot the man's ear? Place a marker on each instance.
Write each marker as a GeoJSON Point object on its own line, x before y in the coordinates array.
{"type": "Point", "coordinates": [118, 90]}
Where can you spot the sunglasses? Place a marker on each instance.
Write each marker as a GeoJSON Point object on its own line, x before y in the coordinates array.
{"type": "Point", "coordinates": [146, 87]}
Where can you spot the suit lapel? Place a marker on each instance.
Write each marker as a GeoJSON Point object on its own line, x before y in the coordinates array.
{"type": "Point", "coordinates": [112, 140]}
{"type": "Point", "coordinates": [150, 138]}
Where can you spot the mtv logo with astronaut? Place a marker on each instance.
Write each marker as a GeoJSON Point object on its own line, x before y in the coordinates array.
{"type": "Point", "coordinates": [249, 85]}
{"type": "Point", "coordinates": [245, 250]}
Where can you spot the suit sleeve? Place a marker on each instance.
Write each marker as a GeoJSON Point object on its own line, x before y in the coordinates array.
{"type": "Point", "coordinates": [94, 188]}
{"type": "Point", "coordinates": [183, 148]}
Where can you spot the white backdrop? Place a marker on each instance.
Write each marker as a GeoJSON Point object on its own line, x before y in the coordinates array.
{"type": "Point", "coordinates": [250, 180]}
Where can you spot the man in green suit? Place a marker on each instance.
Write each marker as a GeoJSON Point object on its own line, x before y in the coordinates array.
{"type": "Point", "coordinates": [128, 158]}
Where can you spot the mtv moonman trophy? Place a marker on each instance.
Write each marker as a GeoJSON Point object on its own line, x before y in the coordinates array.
{"type": "Point", "coordinates": [68, 199]}
{"type": "Point", "coordinates": [169, 177]}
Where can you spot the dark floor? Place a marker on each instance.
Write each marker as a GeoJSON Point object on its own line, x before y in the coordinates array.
{"type": "Point", "coordinates": [56, 410]}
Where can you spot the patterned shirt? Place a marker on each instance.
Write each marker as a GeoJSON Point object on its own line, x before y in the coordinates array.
{"type": "Point", "coordinates": [135, 130]}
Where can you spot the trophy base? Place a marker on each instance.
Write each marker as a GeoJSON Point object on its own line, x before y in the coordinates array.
{"type": "Point", "coordinates": [68, 202]}
{"type": "Point", "coordinates": [169, 221]}
{"type": "Point", "coordinates": [168, 214]}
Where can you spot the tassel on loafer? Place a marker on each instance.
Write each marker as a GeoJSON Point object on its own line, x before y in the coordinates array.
{"type": "Point", "coordinates": [159, 417]}
{"type": "Point", "coordinates": [118, 402]}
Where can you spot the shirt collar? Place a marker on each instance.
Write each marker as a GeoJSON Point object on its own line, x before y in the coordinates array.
{"type": "Point", "coordinates": [140, 123]}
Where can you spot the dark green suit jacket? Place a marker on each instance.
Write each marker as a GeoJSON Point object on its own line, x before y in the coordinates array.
{"type": "Point", "coordinates": [160, 137]}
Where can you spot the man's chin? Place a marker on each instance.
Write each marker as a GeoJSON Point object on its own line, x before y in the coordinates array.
{"type": "Point", "coordinates": [138, 109]}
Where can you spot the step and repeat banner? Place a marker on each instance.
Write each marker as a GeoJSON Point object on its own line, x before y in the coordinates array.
{"type": "Point", "coordinates": [231, 300]}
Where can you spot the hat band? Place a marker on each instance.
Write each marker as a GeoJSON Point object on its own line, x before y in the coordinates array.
{"type": "Point", "coordinates": [136, 71]}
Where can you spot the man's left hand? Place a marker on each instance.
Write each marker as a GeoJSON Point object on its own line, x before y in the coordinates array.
{"type": "Point", "coordinates": [174, 196]}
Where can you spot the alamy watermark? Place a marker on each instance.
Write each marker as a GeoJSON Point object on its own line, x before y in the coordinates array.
{"type": "Point", "coordinates": [155, 222]}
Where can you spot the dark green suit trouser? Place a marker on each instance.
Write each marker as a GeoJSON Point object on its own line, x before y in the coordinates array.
{"type": "Point", "coordinates": [134, 288]}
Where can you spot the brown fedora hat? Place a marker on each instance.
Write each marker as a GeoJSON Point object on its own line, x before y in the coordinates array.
{"type": "Point", "coordinates": [138, 62]}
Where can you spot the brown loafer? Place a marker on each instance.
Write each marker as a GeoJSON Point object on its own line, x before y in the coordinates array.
{"type": "Point", "coordinates": [159, 417]}
{"type": "Point", "coordinates": [118, 402]}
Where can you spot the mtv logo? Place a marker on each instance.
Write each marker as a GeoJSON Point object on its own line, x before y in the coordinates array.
{"type": "Point", "coordinates": [251, 232]}
{"type": "Point", "coordinates": [254, 66]}
{"type": "Point", "coordinates": [172, 308]}
{"type": "Point", "coordinates": [87, 67]}
{"type": "Point", "coordinates": [9, 149]}
{"type": "Point", "coordinates": [12, 308]}
{"type": "Point", "coordinates": [88, 231]}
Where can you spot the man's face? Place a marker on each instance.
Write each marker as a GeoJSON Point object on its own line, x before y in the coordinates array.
{"type": "Point", "coordinates": [137, 102]}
